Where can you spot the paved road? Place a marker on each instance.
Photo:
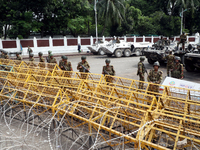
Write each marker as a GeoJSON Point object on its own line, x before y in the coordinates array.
{"type": "Point", "coordinates": [125, 66]}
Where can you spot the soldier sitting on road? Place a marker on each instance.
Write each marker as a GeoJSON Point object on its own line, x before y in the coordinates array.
{"type": "Point", "coordinates": [170, 62]}
{"type": "Point", "coordinates": [52, 59]}
{"type": "Point", "coordinates": [155, 76]}
{"type": "Point", "coordinates": [83, 66]}
{"type": "Point", "coordinates": [141, 72]}
{"type": "Point", "coordinates": [64, 64]}
{"type": "Point", "coordinates": [177, 71]}
{"type": "Point", "coordinates": [183, 39]}
{"type": "Point", "coordinates": [108, 70]}
{"type": "Point", "coordinates": [31, 58]}
{"type": "Point", "coordinates": [18, 56]}
{"type": "Point", "coordinates": [5, 55]}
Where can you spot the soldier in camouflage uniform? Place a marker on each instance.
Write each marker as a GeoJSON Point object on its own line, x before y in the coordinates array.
{"type": "Point", "coordinates": [81, 69]}
{"type": "Point", "coordinates": [5, 55]}
{"type": "Point", "coordinates": [108, 70]}
{"type": "Point", "coordinates": [141, 71]}
{"type": "Point", "coordinates": [177, 71]}
{"type": "Point", "coordinates": [155, 76]}
{"type": "Point", "coordinates": [183, 39]}
{"type": "Point", "coordinates": [170, 62]}
{"type": "Point", "coordinates": [31, 57]}
{"type": "Point", "coordinates": [41, 60]}
{"type": "Point", "coordinates": [52, 59]}
{"type": "Point", "coordinates": [65, 65]}
{"type": "Point", "coordinates": [48, 58]}
{"type": "Point", "coordinates": [18, 56]}
{"type": "Point", "coordinates": [29, 51]}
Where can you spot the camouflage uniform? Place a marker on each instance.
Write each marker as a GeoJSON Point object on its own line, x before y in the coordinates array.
{"type": "Point", "coordinates": [177, 71]}
{"type": "Point", "coordinates": [86, 65]}
{"type": "Point", "coordinates": [53, 60]}
{"type": "Point", "coordinates": [155, 77]}
{"type": "Point", "coordinates": [31, 59]}
{"type": "Point", "coordinates": [41, 59]}
{"type": "Point", "coordinates": [140, 72]}
{"type": "Point", "coordinates": [6, 56]}
{"type": "Point", "coordinates": [29, 50]}
{"type": "Point", "coordinates": [183, 38]}
{"type": "Point", "coordinates": [110, 70]}
{"type": "Point", "coordinates": [66, 67]}
{"type": "Point", "coordinates": [170, 63]}
{"type": "Point", "coordinates": [19, 58]}
{"type": "Point", "coordinates": [42, 62]}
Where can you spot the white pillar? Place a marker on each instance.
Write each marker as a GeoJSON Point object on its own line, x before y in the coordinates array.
{"type": "Point", "coordinates": [91, 40]}
{"type": "Point", "coordinates": [152, 39]}
{"type": "Point", "coordinates": [18, 44]}
{"type": "Point", "coordinates": [1, 44]}
{"type": "Point", "coordinates": [50, 43]}
{"type": "Point", "coordinates": [125, 38]}
{"type": "Point", "coordinates": [103, 38]}
{"type": "Point", "coordinates": [65, 42]}
{"type": "Point", "coordinates": [79, 40]}
{"type": "Point", "coordinates": [143, 38]}
{"type": "Point", "coordinates": [134, 39]}
{"type": "Point", "coordinates": [35, 43]}
{"type": "Point", "coordinates": [196, 38]}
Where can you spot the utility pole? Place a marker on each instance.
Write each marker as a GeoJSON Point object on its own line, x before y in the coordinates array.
{"type": "Point", "coordinates": [181, 21]}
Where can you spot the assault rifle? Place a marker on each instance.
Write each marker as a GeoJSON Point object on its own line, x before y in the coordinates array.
{"type": "Point", "coordinates": [47, 58]}
{"type": "Point", "coordinates": [85, 69]}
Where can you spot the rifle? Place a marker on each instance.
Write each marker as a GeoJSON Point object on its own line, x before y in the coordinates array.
{"type": "Point", "coordinates": [85, 69]}
{"type": "Point", "coordinates": [47, 58]}
{"type": "Point", "coordinates": [106, 72]}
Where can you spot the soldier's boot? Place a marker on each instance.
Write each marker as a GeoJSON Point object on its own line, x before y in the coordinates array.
{"type": "Point", "coordinates": [141, 85]}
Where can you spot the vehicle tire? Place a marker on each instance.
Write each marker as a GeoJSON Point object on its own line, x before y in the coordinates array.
{"type": "Point", "coordinates": [138, 52]}
{"type": "Point", "coordinates": [109, 55]}
{"type": "Point", "coordinates": [118, 53]}
{"type": "Point", "coordinates": [95, 53]}
{"type": "Point", "coordinates": [101, 52]}
{"type": "Point", "coordinates": [189, 67]}
{"type": "Point", "coordinates": [150, 61]}
{"type": "Point", "coordinates": [127, 53]}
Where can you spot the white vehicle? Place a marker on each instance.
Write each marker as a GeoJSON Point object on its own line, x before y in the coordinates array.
{"type": "Point", "coordinates": [97, 47]}
{"type": "Point", "coordinates": [125, 48]}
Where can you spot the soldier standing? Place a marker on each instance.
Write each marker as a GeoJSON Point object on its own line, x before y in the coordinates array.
{"type": "Point", "coordinates": [141, 71]}
{"type": "Point", "coordinates": [170, 62]}
{"type": "Point", "coordinates": [109, 70]}
{"type": "Point", "coordinates": [177, 71]}
{"type": "Point", "coordinates": [65, 65]}
{"type": "Point", "coordinates": [29, 51]}
{"type": "Point", "coordinates": [52, 59]}
{"type": "Point", "coordinates": [31, 58]}
{"type": "Point", "coordinates": [18, 57]}
{"type": "Point", "coordinates": [155, 76]}
{"type": "Point", "coordinates": [48, 58]}
{"type": "Point", "coordinates": [183, 38]}
{"type": "Point", "coordinates": [83, 66]}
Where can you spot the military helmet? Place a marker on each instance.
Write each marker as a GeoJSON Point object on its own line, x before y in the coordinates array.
{"type": "Point", "coordinates": [142, 58]}
{"type": "Point", "coordinates": [5, 52]}
{"type": "Point", "coordinates": [64, 57]}
{"type": "Point", "coordinates": [107, 60]}
{"type": "Point", "coordinates": [156, 64]}
{"type": "Point", "coordinates": [183, 32]}
{"type": "Point", "coordinates": [50, 54]}
{"type": "Point", "coordinates": [83, 58]}
{"type": "Point", "coordinates": [17, 53]}
{"type": "Point", "coordinates": [178, 58]}
{"type": "Point", "coordinates": [31, 55]}
{"type": "Point", "coordinates": [40, 53]}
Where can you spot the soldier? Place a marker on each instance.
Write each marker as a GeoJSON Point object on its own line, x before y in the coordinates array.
{"type": "Point", "coordinates": [31, 58]}
{"type": "Point", "coordinates": [141, 71]}
{"type": "Point", "coordinates": [183, 38]}
{"type": "Point", "coordinates": [6, 55]}
{"type": "Point", "coordinates": [161, 43]}
{"type": "Point", "coordinates": [18, 56]}
{"type": "Point", "coordinates": [83, 66]}
{"type": "Point", "coordinates": [155, 76]}
{"type": "Point", "coordinates": [177, 71]}
{"type": "Point", "coordinates": [52, 59]}
{"type": "Point", "coordinates": [29, 51]}
{"type": "Point", "coordinates": [65, 65]}
{"type": "Point", "coordinates": [2, 54]}
{"type": "Point", "coordinates": [170, 62]}
{"type": "Point", "coordinates": [109, 70]}
{"type": "Point", "coordinates": [48, 58]}
{"type": "Point", "coordinates": [41, 59]}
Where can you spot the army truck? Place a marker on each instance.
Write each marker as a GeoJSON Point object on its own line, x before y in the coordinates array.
{"type": "Point", "coordinates": [192, 61]}
{"type": "Point", "coordinates": [97, 47]}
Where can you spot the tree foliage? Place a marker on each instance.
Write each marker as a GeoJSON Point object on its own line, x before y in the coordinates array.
{"type": "Point", "coordinates": [22, 18]}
